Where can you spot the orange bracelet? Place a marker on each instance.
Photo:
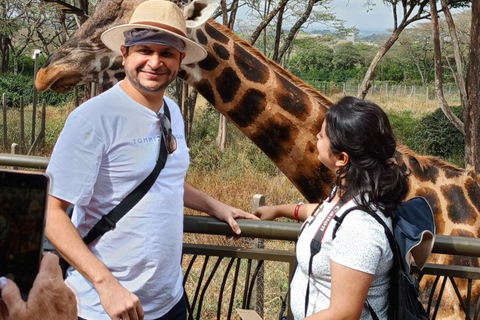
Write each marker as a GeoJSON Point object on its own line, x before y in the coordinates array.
{"type": "Point", "coordinates": [297, 208]}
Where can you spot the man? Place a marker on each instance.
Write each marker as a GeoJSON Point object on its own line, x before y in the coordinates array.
{"type": "Point", "coordinates": [108, 146]}
{"type": "Point", "coordinates": [49, 298]}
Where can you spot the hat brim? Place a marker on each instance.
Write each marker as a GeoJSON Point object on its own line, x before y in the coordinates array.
{"type": "Point", "coordinates": [113, 38]}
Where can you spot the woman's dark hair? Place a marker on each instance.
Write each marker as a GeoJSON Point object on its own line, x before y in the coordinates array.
{"type": "Point", "coordinates": [362, 130]}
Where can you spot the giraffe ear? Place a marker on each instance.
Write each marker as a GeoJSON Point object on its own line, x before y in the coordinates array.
{"type": "Point", "coordinates": [198, 12]}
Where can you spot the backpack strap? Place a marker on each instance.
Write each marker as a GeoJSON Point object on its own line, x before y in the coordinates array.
{"type": "Point", "coordinates": [108, 221]}
{"type": "Point", "coordinates": [388, 233]}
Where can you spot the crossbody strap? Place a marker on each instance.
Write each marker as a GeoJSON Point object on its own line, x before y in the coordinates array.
{"type": "Point", "coordinates": [108, 221]}
{"type": "Point", "coordinates": [316, 245]}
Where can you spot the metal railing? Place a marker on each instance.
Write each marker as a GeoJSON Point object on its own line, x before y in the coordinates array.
{"type": "Point", "coordinates": [243, 267]}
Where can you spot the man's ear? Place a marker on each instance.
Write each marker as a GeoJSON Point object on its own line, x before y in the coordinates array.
{"type": "Point", "coordinates": [123, 49]}
{"type": "Point", "coordinates": [342, 159]}
{"type": "Point", "coordinates": [182, 56]}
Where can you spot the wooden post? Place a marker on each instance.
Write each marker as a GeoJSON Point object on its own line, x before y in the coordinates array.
{"type": "Point", "coordinates": [4, 104]}
{"type": "Point", "coordinates": [259, 298]}
{"type": "Point", "coordinates": [76, 98]}
{"type": "Point", "coordinates": [344, 89]}
{"type": "Point", "coordinates": [93, 89]}
{"type": "Point", "coordinates": [14, 150]}
{"type": "Point", "coordinates": [22, 124]}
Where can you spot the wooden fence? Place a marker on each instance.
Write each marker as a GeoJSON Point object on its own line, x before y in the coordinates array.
{"type": "Point", "coordinates": [37, 140]}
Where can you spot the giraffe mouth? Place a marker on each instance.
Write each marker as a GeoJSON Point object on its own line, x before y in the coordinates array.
{"type": "Point", "coordinates": [61, 82]}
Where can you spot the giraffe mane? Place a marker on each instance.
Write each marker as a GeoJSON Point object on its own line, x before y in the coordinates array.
{"type": "Point", "coordinates": [429, 161]}
{"type": "Point", "coordinates": [272, 64]}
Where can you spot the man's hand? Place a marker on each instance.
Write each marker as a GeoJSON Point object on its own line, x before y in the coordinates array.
{"type": "Point", "coordinates": [49, 298]}
{"type": "Point", "coordinates": [229, 214]}
{"type": "Point", "coordinates": [118, 302]}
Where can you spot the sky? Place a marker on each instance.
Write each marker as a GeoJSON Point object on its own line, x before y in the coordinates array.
{"type": "Point", "coordinates": [355, 14]}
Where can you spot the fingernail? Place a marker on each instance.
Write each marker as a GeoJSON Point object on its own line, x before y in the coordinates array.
{"type": "Point", "coordinates": [3, 282]}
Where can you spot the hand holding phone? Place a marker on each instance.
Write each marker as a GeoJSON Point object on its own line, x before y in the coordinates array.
{"type": "Point", "coordinates": [49, 298]}
{"type": "Point", "coordinates": [23, 203]}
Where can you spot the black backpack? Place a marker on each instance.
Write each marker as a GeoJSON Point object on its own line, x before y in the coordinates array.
{"type": "Point", "coordinates": [413, 233]}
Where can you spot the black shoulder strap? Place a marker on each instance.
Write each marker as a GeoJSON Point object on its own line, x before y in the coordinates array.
{"type": "Point", "coordinates": [108, 221]}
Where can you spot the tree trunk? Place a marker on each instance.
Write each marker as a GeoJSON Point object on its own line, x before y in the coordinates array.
{"type": "Point", "coordinates": [5, 52]}
{"type": "Point", "coordinates": [296, 27]}
{"type": "Point", "coordinates": [278, 35]}
{"type": "Point", "coordinates": [472, 114]}
{"type": "Point", "coordinates": [266, 21]}
{"type": "Point", "coordinates": [373, 65]}
{"type": "Point", "coordinates": [438, 71]}
{"type": "Point", "coordinates": [459, 77]}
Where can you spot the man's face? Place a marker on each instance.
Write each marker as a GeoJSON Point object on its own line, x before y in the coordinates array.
{"type": "Point", "coordinates": [150, 68]}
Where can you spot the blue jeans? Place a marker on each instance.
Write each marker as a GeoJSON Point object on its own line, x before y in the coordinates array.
{"type": "Point", "coordinates": [178, 312]}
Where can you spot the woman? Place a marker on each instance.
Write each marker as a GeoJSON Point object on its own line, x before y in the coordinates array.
{"type": "Point", "coordinates": [356, 142]}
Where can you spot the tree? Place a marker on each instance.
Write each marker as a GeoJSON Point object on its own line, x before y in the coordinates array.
{"type": "Point", "coordinates": [417, 44]}
{"type": "Point", "coordinates": [412, 11]}
{"type": "Point", "coordinates": [469, 88]}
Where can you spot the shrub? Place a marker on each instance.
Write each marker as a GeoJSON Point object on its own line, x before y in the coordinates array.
{"type": "Point", "coordinates": [440, 136]}
{"type": "Point", "coordinates": [16, 86]}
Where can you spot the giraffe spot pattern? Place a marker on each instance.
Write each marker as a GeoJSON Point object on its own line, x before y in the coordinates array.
{"type": "Point", "coordinates": [451, 174]}
{"type": "Point", "coordinates": [227, 84]}
{"type": "Point", "coordinates": [201, 38]}
{"type": "Point", "coordinates": [209, 63]}
{"type": "Point", "coordinates": [315, 187]}
{"type": "Point", "coordinates": [104, 62]}
{"type": "Point", "coordinates": [119, 76]}
{"type": "Point", "coordinates": [291, 99]}
{"type": "Point", "coordinates": [250, 66]}
{"type": "Point", "coordinates": [432, 198]}
{"type": "Point", "coordinates": [215, 34]}
{"type": "Point", "coordinates": [430, 173]}
{"type": "Point", "coordinates": [250, 106]}
{"type": "Point", "coordinates": [276, 136]}
{"type": "Point", "coordinates": [206, 90]}
{"type": "Point", "coordinates": [473, 193]}
{"type": "Point", "coordinates": [221, 51]}
{"type": "Point", "coordinates": [459, 211]}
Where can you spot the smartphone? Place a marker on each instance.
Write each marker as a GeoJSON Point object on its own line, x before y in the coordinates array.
{"type": "Point", "coordinates": [23, 206]}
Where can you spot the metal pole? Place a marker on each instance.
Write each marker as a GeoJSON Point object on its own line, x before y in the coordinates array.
{"type": "Point", "coordinates": [34, 108]}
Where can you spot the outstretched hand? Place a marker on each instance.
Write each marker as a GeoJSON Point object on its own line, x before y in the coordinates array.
{"type": "Point", "coordinates": [49, 298]}
{"type": "Point", "coordinates": [266, 213]}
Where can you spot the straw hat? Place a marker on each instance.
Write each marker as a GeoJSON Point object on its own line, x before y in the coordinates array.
{"type": "Point", "coordinates": [158, 15]}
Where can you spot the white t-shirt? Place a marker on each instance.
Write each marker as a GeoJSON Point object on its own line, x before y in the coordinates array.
{"type": "Point", "coordinates": [360, 244]}
{"type": "Point", "coordinates": [107, 147]}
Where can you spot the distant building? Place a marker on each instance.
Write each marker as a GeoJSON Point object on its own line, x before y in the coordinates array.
{"type": "Point", "coordinates": [351, 36]}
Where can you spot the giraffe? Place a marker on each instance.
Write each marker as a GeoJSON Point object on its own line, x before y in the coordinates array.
{"type": "Point", "coordinates": [276, 110]}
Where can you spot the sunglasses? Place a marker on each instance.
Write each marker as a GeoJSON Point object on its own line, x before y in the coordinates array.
{"type": "Point", "coordinates": [168, 137]}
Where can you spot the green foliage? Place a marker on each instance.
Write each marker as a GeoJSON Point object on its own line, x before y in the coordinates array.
{"type": "Point", "coordinates": [433, 134]}
{"type": "Point", "coordinates": [440, 136]}
{"type": "Point", "coordinates": [16, 86]}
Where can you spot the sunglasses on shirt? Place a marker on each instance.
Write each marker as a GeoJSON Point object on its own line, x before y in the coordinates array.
{"type": "Point", "coordinates": [168, 137]}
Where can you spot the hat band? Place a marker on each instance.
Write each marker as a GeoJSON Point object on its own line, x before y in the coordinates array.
{"type": "Point", "coordinates": [161, 26]}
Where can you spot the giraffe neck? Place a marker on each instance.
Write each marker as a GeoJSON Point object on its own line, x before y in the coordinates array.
{"type": "Point", "coordinates": [277, 111]}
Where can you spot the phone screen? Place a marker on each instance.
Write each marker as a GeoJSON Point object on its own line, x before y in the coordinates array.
{"type": "Point", "coordinates": [23, 200]}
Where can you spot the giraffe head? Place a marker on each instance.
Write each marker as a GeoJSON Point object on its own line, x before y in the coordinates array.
{"type": "Point", "coordinates": [84, 57]}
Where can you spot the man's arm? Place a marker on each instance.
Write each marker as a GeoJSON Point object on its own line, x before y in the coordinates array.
{"type": "Point", "coordinates": [200, 201]}
{"type": "Point", "coordinates": [116, 300]}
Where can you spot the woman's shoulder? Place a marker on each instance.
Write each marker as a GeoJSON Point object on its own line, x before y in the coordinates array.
{"type": "Point", "coordinates": [357, 217]}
